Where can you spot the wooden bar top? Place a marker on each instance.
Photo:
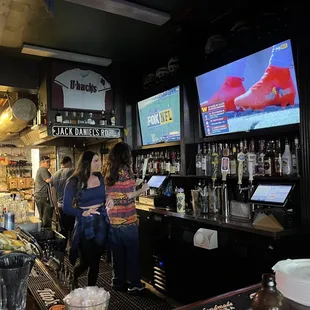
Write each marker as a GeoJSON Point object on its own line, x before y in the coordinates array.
{"type": "Point", "coordinates": [240, 299]}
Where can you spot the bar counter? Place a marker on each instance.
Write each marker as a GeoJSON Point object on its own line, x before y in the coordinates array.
{"type": "Point", "coordinates": [216, 220]}
{"type": "Point", "coordinates": [239, 300]}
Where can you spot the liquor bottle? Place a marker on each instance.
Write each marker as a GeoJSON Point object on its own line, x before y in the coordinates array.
{"type": "Point", "coordinates": [208, 161]}
{"type": "Point", "coordinates": [268, 297]}
{"type": "Point", "coordinates": [58, 117]}
{"type": "Point", "coordinates": [220, 155]}
{"type": "Point", "coordinates": [177, 164]}
{"type": "Point", "coordinates": [204, 160]}
{"type": "Point", "coordinates": [278, 159]}
{"type": "Point", "coordinates": [81, 119]}
{"type": "Point", "coordinates": [296, 157]}
{"type": "Point", "coordinates": [73, 118]}
{"type": "Point", "coordinates": [112, 118]}
{"type": "Point", "coordinates": [103, 120]}
{"type": "Point", "coordinates": [268, 160]}
{"type": "Point", "coordinates": [90, 119]}
{"type": "Point", "coordinates": [287, 159]}
{"type": "Point", "coordinates": [66, 119]}
{"type": "Point", "coordinates": [198, 161]}
{"type": "Point", "coordinates": [261, 156]}
{"type": "Point", "coordinates": [214, 163]}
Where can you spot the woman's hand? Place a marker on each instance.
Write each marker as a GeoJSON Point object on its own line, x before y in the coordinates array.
{"type": "Point", "coordinates": [145, 187]}
{"type": "Point", "coordinates": [109, 203]}
{"type": "Point", "coordinates": [90, 212]}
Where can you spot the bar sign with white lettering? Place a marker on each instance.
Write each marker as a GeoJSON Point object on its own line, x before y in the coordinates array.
{"type": "Point", "coordinates": [86, 132]}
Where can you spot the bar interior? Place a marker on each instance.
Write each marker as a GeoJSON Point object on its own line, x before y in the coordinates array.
{"type": "Point", "coordinates": [212, 100]}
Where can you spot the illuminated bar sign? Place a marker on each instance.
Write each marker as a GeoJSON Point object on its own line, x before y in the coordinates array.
{"type": "Point", "coordinates": [86, 132]}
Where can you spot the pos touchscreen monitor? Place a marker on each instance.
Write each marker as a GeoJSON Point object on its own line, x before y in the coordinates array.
{"type": "Point", "coordinates": [271, 194]}
{"type": "Point", "coordinates": [156, 181]}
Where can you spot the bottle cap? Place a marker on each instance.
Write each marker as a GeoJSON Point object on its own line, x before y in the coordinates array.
{"type": "Point", "coordinates": [268, 279]}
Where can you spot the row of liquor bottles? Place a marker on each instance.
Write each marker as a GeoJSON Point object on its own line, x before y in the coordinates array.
{"type": "Point", "coordinates": [82, 118]}
{"type": "Point", "coordinates": [164, 162]}
{"type": "Point", "coordinates": [266, 158]}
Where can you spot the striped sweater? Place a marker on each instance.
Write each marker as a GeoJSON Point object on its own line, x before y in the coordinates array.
{"type": "Point", "coordinates": [124, 210]}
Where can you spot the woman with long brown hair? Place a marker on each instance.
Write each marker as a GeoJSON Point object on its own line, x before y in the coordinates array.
{"type": "Point", "coordinates": [85, 199]}
{"type": "Point", "coordinates": [124, 236]}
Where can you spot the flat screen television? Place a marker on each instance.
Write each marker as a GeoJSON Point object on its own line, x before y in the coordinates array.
{"type": "Point", "coordinates": [255, 92]}
{"type": "Point", "coordinates": [159, 117]}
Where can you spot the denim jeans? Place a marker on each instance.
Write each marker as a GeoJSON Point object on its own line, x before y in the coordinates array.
{"type": "Point", "coordinates": [124, 244]}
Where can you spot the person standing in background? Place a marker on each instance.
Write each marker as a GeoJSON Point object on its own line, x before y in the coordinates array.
{"type": "Point", "coordinates": [41, 193]}
{"type": "Point", "coordinates": [58, 183]}
{"type": "Point", "coordinates": [124, 235]}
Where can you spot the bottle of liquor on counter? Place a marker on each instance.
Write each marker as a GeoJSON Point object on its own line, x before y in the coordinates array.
{"type": "Point", "coordinates": [58, 117]}
{"type": "Point", "coordinates": [103, 120]}
{"type": "Point", "coordinates": [268, 297]}
{"type": "Point", "coordinates": [112, 118]}
{"type": "Point", "coordinates": [287, 159]}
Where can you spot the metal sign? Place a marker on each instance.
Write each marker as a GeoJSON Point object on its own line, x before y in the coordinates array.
{"type": "Point", "coordinates": [86, 132]}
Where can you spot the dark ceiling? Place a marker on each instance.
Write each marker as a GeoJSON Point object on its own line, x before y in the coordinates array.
{"type": "Point", "coordinates": [81, 29]}
{"type": "Point", "coordinates": [84, 30]}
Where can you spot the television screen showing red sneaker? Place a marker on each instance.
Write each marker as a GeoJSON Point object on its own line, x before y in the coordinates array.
{"type": "Point", "coordinates": [255, 92]}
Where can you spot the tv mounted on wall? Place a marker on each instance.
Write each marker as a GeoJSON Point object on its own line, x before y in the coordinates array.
{"type": "Point", "coordinates": [159, 117]}
{"type": "Point", "coordinates": [255, 92]}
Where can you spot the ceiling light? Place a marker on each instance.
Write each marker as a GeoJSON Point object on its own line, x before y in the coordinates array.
{"type": "Point", "coordinates": [51, 53]}
{"type": "Point", "coordinates": [127, 9]}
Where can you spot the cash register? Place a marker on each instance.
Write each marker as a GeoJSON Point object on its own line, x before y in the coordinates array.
{"type": "Point", "coordinates": [155, 198]}
{"type": "Point", "coordinates": [273, 205]}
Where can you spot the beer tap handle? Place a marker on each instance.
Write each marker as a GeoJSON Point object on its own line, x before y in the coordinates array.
{"type": "Point", "coordinates": [250, 168]}
{"type": "Point", "coordinates": [224, 168]}
{"type": "Point", "coordinates": [241, 159]}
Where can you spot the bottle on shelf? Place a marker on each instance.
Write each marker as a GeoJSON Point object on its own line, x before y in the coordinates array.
{"type": "Point", "coordinates": [103, 120]}
{"type": "Point", "coordinates": [66, 118]}
{"type": "Point", "coordinates": [199, 161]}
{"type": "Point", "coordinates": [58, 117]}
{"type": "Point", "coordinates": [81, 119]}
{"type": "Point", "coordinates": [296, 157]}
{"type": "Point", "coordinates": [90, 120]}
{"type": "Point", "coordinates": [268, 297]}
{"type": "Point", "coordinates": [112, 118]}
{"type": "Point", "coordinates": [287, 159]}
{"type": "Point", "coordinates": [278, 159]}
{"type": "Point", "coordinates": [73, 118]}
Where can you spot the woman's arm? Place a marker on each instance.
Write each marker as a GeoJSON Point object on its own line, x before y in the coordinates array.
{"type": "Point", "coordinates": [140, 191]}
{"type": "Point", "coordinates": [69, 195]}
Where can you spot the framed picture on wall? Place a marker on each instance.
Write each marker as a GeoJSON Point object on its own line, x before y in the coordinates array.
{"type": "Point", "coordinates": [76, 86]}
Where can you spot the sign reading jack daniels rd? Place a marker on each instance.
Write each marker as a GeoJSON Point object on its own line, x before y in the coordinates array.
{"type": "Point", "coordinates": [86, 132]}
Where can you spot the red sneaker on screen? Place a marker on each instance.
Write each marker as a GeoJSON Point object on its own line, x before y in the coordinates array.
{"type": "Point", "coordinates": [276, 87]}
{"type": "Point", "coordinates": [230, 89]}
